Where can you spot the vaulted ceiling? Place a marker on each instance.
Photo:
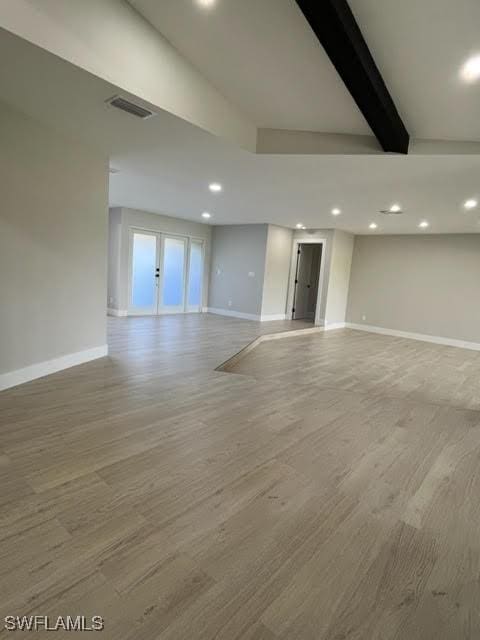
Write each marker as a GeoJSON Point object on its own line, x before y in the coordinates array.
{"type": "Point", "coordinates": [265, 59]}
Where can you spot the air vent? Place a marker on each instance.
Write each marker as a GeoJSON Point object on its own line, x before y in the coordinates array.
{"type": "Point", "coordinates": [114, 170]}
{"type": "Point", "coordinates": [130, 107]}
{"type": "Point", "coordinates": [388, 212]}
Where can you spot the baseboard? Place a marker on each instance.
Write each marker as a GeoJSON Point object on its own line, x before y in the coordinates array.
{"type": "Point", "coordinates": [233, 314]}
{"type": "Point", "coordinates": [118, 313]}
{"type": "Point", "coordinates": [423, 337]}
{"type": "Point", "coordinates": [40, 369]}
{"type": "Point", "coordinates": [334, 325]}
{"type": "Point", "coordinates": [268, 317]}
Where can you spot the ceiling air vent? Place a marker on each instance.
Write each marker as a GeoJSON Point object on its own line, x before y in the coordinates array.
{"type": "Point", "coordinates": [389, 212]}
{"type": "Point", "coordinates": [130, 107]}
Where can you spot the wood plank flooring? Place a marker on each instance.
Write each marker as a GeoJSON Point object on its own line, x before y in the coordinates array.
{"type": "Point", "coordinates": [328, 487]}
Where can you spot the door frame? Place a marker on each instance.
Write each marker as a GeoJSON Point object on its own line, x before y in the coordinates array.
{"type": "Point", "coordinates": [160, 243]}
{"type": "Point", "coordinates": [293, 267]}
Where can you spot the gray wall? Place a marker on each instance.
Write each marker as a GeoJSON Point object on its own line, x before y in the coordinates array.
{"type": "Point", "coordinates": [53, 239]}
{"type": "Point", "coordinates": [277, 269]}
{"type": "Point", "coordinates": [421, 284]}
{"type": "Point", "coordinates": [121, 221]}
{"type": "Point", "coordinates": [238, 250]}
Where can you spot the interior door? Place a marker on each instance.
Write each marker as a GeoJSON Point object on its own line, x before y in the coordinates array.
{"type": "Point", "coordinates": [144, 273]}
{"type": "Point", "coordinates": [302, 281]}
{"type": "Point", "coordinates": [173, 275]}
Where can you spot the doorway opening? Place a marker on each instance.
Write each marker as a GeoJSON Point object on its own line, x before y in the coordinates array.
{"type": "Point", "coordinates": [166, 273]}
{"type": "Point", "coordinates": [306, 284]}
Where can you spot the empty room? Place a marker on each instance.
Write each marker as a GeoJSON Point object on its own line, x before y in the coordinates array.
{"type": "Point", "coordinates": [240, 319]}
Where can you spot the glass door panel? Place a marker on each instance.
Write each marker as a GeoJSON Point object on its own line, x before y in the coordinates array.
{"type": "Point", "coordinates": [173, 274]}
{"type": "Point", "coordinates": [144, 273]}
{"type": "Point", "coordinates": [195, 276]}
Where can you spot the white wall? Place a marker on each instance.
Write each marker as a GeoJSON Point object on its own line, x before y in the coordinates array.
{"type": "Point", "coordinates": [424, 284]}
{"type": "Point", "coordinates": [111, 40]}
{"type": "Point", "coordinates": [339, 277]}
{"type": "Point", "coordinates": [277, 270]}
{"type": "Point", "coordinates": [53, 239]}
{"type": "Point", "coordinates": [122, 220]}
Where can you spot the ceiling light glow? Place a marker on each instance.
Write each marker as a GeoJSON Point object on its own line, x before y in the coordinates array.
{"type": "Point", "coordinates": [424, 224]}
{"type": "Point", "coordinates": [215, 187]}
{"type": "Point", "coordinates": [205, 214]}
{"type": "Point", "coordinates": [470, 204]}
{"type": "Point", "coordinates": [299, 225]}
{"type": "Point", "coordinates": [395, 208]}
{"type": "Point", "coordinates": [336, 212]}
{"type": "Point", "coordinates": [470, 71]}
{"type": "Point", "coordinates": [373, 225]}
{"type": "Point", "coordinates": [205, 3]}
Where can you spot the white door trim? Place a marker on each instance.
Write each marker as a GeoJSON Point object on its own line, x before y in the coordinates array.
{"type": "Point", "coordinates": [293, 269]}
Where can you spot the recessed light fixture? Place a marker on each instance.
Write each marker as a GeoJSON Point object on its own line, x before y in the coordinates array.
{"type": "Point", "coordinates": [395, 208]}
{"type": "Point", "coordinates": [299, 225]}
{"type": "Point", "coordinates": [205, 3]}
{"type": "Point", "coordinates": [470, 71]}
{"type": "Point", "coordinates": [424, 224]}
{"type": "Point", "coordinates": [205, 214]}
{"type": "Point", "coordinates": [303, 227]}
{"type": "Point", "coordinates": [470, 204]}
{"type": "Point", "coordinates": [336, 211]}
{"type": "Point", "coordinates": [215, 187]}
{"type": "Point", "coordinates": [373, 225]}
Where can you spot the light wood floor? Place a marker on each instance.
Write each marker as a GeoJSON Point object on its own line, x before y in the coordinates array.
{"type": "Point", "coordinates": [327, 488]}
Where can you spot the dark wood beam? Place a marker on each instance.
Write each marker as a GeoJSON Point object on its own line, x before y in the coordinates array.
{"type": "Point", "coordinates": [335, 26]}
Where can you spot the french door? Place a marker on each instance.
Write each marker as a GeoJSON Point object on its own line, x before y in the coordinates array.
{"type": "Point", "coordinates": [166, 273]}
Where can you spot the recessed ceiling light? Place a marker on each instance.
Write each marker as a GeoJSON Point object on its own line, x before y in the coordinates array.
{"type": "Point", "coordinates": [336, 212]}
{"type": "Point", "coordinates": [373, 225]}
{"type": "Point", "coordinates": [424, 224]}
{"type": "Point", "coordinates": [470, 204]}
{"type": "Point", "coordinates": [205, 214]}
{"type": "Point", "coordinates": [303, 226]}
{"type": "Point", "coordinates": [299, 225]}
{"type": "Point", "coordinates": [471, 69]}
{"type": "Point", "coordinates": [395, 208]}
{"type": "Point", "coordinates": [205, 3]}
{"type": "Point", "coordinates": [215, 187]}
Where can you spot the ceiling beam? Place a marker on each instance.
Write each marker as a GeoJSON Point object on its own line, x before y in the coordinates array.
{"type": "Point", "coordinates": [335, 26]}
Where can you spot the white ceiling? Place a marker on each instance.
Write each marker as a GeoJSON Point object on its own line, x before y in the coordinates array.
{"type": "Point", "coordinates": [263, 56]}
{"type": "Point", "coordinates": [419, 47]}
{"type": "Point", "coordinates": [166, 164]}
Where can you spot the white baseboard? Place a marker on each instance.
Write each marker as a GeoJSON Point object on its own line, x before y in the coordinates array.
{"type": "Point", "coordinates": [40, 369]}
{"type": "Point", "coordinates": [233, 314]}
{"type": "Point", "coordinates": [334, 325]}
{"type": "Point", "coordinates": [118, 313]}
{"type": "Point", "coordinates": [423, 337]}
{"type": "Point", "coordinates": [272, 316]}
